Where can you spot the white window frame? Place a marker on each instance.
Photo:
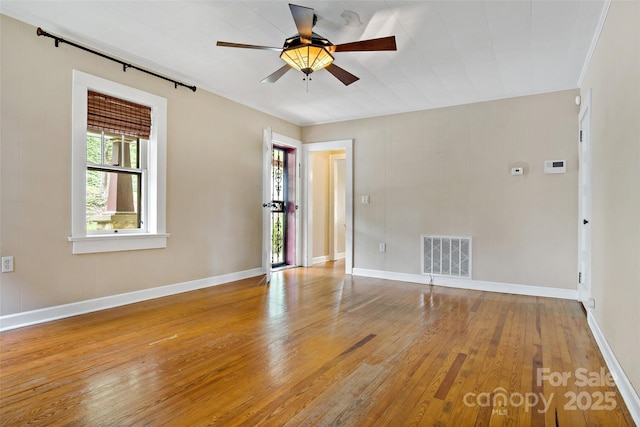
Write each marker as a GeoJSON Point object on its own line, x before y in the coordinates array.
{"type": "Point", "coordinates": [154, 234]}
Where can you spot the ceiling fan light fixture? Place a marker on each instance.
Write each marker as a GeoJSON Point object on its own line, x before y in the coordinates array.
{"type": "Point", "coordinates": [307, 58]}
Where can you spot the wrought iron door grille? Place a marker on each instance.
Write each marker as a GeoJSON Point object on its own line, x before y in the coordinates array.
{"type": "Point", "coordinates": [278, 206]}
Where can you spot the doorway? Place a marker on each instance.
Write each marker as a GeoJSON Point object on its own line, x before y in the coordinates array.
{"type": "Point", "coordinates": [281, 228]}
{"type": "Point", "coordinates": [345, 146]}
{"type": "Point", "coordinates": [283, 206]}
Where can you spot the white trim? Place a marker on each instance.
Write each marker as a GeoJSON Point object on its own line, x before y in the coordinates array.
{"type": "Point", "coordinates": [286, 140]}
{"type": "Point", "coordinates": [341, 255]}
{"type": "Point", "coordinates": [321, 259]}
{"type": "Point", "coordinates": [18, 320]}
{"type": "Point", "coordinates": [307, 176]}
{"type": "Point", "coordinates": [476, 285]}
{"type": "Point", "coordinates": [585, 170]}
{"type": "Point", "coordinates": [594, 41]}
{"type": "Point", "coordinates": [629, 394]}
{"type": "Point", "coordinates": [267, 146]}
{"type": "Point", "coordinates": [114, 243]}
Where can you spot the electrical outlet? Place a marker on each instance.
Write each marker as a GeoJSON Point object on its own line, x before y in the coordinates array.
{"type": "Point", "coordinates": [7, 264]}
{"type": "Point", "coordinates": [383, 247]}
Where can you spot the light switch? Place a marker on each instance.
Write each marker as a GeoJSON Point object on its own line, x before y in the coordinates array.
{"type": "Point", "coordinates": [364, 199]}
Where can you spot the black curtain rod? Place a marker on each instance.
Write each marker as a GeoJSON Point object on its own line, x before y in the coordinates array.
{"type": "Point", "coordinates": [125, 65]}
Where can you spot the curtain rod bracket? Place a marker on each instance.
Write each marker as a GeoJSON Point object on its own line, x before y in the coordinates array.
{"type": "Point", "coordinates": [58, 40]}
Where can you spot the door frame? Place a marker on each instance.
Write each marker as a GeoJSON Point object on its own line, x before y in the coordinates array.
{"type": "Point", "coordinates": [334, 255]}
{"type": "Point", "coordinates": [307, 198]}
{"type": "Point", "coordinates": [584, 201]}
{"type": "Point", "coordinates": [271, 138]}
{"type": "Point", "coordinates": [294, 144]}
{"type": "Point", "coordinates": [267, 138]}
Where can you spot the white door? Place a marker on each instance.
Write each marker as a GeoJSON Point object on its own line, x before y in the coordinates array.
{"type": "Point", "coordinates": [266, 202]}
{"type": "Point", "coordinates": [584, 182]}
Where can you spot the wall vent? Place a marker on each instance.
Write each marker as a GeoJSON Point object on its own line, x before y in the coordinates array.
{"type": "Point", "coordinates": [446, 256]}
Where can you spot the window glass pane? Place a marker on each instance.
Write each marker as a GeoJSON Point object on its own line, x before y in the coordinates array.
{"type": "Point", "coordinates": [121, 150]}
{"type": "Point", "coordinates": [112, 149]}
{"type": "Point", "coordinates": [132, 148]}
{"type": "Point", "coordinates": [96, 198]}
{"type": "Point", "coordinates": [113, 200]}
{"type": "Point", "coordinates": [94, 146]}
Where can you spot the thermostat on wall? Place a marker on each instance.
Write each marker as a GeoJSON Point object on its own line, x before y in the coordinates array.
{"type": "Point", "coordinates": [555, 166]}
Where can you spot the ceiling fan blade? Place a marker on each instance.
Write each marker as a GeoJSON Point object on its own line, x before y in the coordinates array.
{"type": "Point", "coordinates": [276, 75]}
{"type": "Point", "coordinates": [383, 43]}
{"type": "Point", "coordinates": [341, 74]}
{"type": "Point", "coordinates": [248, 46]}
{"type": "Point", "coordinates": [303, 17]}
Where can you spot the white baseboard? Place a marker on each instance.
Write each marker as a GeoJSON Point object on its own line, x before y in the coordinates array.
{"type": "Point", "coordinates": [327, 258]}
{"type": "Point", "coordinates": [629, 394]}
{"type": "Point", "coordinates": [477, 285]}
{"type": "Point", "coordinates": [321, 259]}
{"type": "Point", "coordinates": [18, 320]}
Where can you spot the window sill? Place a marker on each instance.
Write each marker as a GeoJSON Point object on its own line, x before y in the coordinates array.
{"type": "Point", "coordinates": [113, 243]}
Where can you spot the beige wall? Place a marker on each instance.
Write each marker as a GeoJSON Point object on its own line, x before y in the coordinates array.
{"type": "Point", "coordinates": [340, 186]}
{"type": "Point", "coordinates": [320, 204]}
{"type": "Point", "coordinates": [214, 161]}
{"type": "Point", "coordinates": [614, 77]}
{"type": "Point", "coordinates": [447, 171]}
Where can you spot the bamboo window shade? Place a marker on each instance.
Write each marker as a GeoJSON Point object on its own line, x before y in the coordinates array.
{"type": "Point", "coordinates": [114, 115]}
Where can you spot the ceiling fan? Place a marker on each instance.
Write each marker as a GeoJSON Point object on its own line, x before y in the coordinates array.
{"type": "Point", "coordinates": [309, 52]}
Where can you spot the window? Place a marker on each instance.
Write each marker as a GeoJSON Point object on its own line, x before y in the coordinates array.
{"type": "Point", "coordinates": [116, 181]}
{"type": "Point", "coordinates": [118, 167]}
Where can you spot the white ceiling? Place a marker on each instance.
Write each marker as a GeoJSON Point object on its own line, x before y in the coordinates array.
{"type": "Point", "coordinates": [449, 52]}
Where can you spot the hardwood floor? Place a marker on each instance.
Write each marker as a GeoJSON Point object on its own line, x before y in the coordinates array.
{"type": "Point", "coordinates": [313, 348]}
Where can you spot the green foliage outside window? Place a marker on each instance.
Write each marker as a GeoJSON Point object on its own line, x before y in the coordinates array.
{"type": "Point", "coordinates": [96, 189]}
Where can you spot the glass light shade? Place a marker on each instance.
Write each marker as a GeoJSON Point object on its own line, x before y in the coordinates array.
{"type": "Point", "coordinates": [307, 58]}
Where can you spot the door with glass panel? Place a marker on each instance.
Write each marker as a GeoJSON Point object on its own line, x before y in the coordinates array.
{"type": "Point", "coordinates": [279, 205]}
{"type": "Point", "coordinates": [280, 194]}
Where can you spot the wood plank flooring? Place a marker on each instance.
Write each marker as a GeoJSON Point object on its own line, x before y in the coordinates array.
{"type": "Point", "coordinates": [313, 348]}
